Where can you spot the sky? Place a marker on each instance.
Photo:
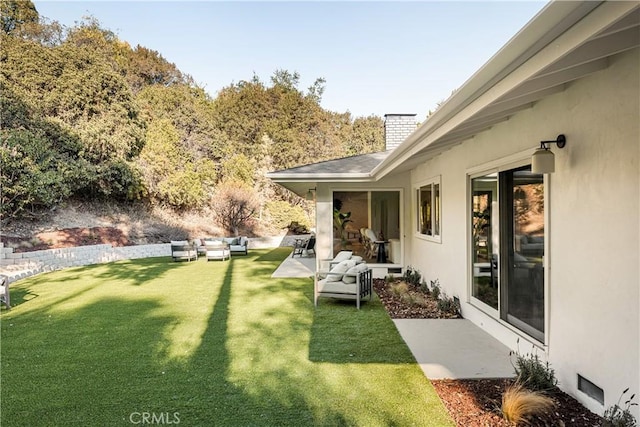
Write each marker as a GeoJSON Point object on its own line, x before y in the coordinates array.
{"type": "Point", "coordinates": [376, 57]}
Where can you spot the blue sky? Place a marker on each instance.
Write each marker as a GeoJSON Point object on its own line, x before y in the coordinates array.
{"type": "Point", "coordinates": [376, 57]}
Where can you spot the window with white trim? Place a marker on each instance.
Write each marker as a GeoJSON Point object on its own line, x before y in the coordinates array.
{"type": "Point", "coordinates": [429, 211]}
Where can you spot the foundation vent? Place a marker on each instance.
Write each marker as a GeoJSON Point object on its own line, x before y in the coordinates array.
{"type": "Point", "coordinates": [590, 389]}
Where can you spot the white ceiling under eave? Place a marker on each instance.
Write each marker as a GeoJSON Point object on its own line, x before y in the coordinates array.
{"type": "Point", "coordinates": [600, 31]}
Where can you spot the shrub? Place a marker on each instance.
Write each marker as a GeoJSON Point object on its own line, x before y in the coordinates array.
{"type": "Point", "coordinates": [435, 289]}
{"type": "Point", "coordinates": [519, 404]}
{"type": "Point", "coordinates": [620, 416]}
{"type": "Point", "coordinates": [282, 215]}
{"type": "Point", "coordinates": [235, 206]}
{"type": "Point", "coordinates": [412, 276]}
{"type": "Point", "coordinates": [424, 287]}
{"type": "Point", "coordinates": [534, 374]}
{"type": "Point", "coordinates": [399, 289]}
{"type": "Point", "coordinates": [446, 304]}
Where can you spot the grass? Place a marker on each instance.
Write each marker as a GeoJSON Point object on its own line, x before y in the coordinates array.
{"type": "Point", "coordinates": [199, 344]}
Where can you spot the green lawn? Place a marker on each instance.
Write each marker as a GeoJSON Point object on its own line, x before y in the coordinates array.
{"type": "Point", "coordinates": [202, 344]}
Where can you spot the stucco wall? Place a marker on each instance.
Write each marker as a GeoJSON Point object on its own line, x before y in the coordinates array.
{"type": "Point", "coordinates": [593, 231]}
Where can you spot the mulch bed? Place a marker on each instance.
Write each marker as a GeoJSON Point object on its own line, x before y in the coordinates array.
{"type": "Point", "coordinates": [476, 403]}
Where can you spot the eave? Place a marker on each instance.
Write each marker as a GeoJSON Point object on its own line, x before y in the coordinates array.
{"type": "Point", "coordinates": [564, 42]}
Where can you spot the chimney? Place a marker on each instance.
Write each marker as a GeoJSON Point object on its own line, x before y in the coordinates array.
{"type": "Point", "coordinates": [397, 127]}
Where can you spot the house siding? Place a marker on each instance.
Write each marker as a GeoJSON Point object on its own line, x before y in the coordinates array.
{"type": "Point", "coordinates": [593, 230]}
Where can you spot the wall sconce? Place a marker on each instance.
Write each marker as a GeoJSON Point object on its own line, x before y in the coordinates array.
{"type": "Point", "coordinates": [310, 193]}
{"type": "Point", "coordinates": [543, 160]}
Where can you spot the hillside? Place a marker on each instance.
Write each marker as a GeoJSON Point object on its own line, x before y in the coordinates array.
{"type": "Point", "coordinates": [87, 116]}
{"type": "Point", "coordinates": [80, 223]}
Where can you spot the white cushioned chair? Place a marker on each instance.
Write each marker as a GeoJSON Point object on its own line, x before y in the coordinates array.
{"type": "Point", "coordinates": [217, 250]}
{"type": "Point", "coordinates": [348, 279]}
{"type": "Point", "coordinates": [4, 291]}
{"type": "Point", "coordinates": [328, 264]}
{"type": "Point", "coordinates": [183, 250]}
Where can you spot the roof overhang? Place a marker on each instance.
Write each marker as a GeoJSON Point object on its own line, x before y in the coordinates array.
{"type": "Point", "coordinates": [564, 42]}
{"type": "Point", "coordinates": [349, 169]}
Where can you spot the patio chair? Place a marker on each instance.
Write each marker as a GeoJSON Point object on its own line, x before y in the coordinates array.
{"type": "Point", "coordinates": [217, 250]}
{"type": "Point", "coordinates": [347, 280]}
{"type": "Point", "coordinates": [183, 250]}
{"type": "Point", "coordinates": [329, 263]}
{"type": "Point", "coordinates": [303, 246]}
{"type": "Point", "coordinates": [4, 291]}
{"type": "Point", "coordinates": [369, 239]}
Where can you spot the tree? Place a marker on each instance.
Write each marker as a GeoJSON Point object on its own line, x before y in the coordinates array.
{"type": "Point", "coordinates": [238, 168]}
{"type": "Point", "coordinates": [40, 165]}
{"type": "Point", "coordinates": [235, 206]}
{"type": "Point", "coordinates": [15, 13]}
{"type": "Point", "coordinates": [367, 136]}
{"type": "Point", "coordinates": [143, 67]}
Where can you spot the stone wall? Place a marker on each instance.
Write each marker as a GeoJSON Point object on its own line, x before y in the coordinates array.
{"type": "Point", "coordinates": [24, 264]}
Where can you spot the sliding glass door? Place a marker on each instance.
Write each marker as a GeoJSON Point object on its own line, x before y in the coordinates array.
{"type": "Point", "coordinates": [377, 210]}
{"type": "Point", "coordinates": [508, 224]}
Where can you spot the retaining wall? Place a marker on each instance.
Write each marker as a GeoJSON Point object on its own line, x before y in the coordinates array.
{"type": "Point", "coordinates": [24, 264]}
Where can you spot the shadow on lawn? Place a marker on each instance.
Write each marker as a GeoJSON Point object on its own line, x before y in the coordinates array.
{"type": "Point", "coordinates": [343, 334]}
{"type": "Point", "coordinates": [146, 269]}
{"type": "Point", "coordinates": [232, 404]}
{"type": "Point", "coordinates": [99, 363]}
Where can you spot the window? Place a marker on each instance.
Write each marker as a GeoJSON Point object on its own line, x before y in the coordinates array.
{"type": "Point", "coordinates": [428, 215]}
{"type": "Point", "coordinates": [508, 227]}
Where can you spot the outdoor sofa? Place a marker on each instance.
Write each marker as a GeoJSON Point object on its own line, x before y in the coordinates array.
{"type": "Point", "coordinates": [237, 245]}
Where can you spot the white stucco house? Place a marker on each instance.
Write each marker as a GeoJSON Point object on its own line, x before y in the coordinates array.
{"type": "Point", "coordinates": [546, 259]}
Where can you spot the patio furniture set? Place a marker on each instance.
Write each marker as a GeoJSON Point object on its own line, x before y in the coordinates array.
{"type": "Point", "coordinates": [219, 248]}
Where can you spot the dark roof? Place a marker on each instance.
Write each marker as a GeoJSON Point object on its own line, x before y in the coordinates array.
{"type": "Point", "coordinates": [362, 164]}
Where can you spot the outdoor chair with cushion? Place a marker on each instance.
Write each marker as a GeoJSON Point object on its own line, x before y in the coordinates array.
{"type": "Point", "coordinates": [237, 245]}
{"type": "Point", "coordinates": [341, 256]}
{"type": "Point", "coordinates": [4, 291]}
{"type": "Point", "coordinates": [346, 280]}
{"type": "Point", "coordinates": [183, 250]}
{"type": "Point", "coordinates": [304, 246]}
{"type": "Point", "coordinates": [217, 250]}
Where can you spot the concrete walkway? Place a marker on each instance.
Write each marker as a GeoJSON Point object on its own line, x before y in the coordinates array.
{"type": "Point", "coordinates": [455, 348]}
{"type": "Point", "coordinates": [444, 348]}
{"type": "Point", "coordinates": [296, 267]}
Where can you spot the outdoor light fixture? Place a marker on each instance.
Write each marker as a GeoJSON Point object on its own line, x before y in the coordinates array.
{"type": "Point", "coordinates": [310, 193]}
{"type": "Point", "coordinates": [542, 160]}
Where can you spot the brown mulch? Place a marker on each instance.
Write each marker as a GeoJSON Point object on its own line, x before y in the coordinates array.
{"type": "Point", "coordinates": [476, 403]}
{"type": "Point", "coordinates": [399, 309]}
